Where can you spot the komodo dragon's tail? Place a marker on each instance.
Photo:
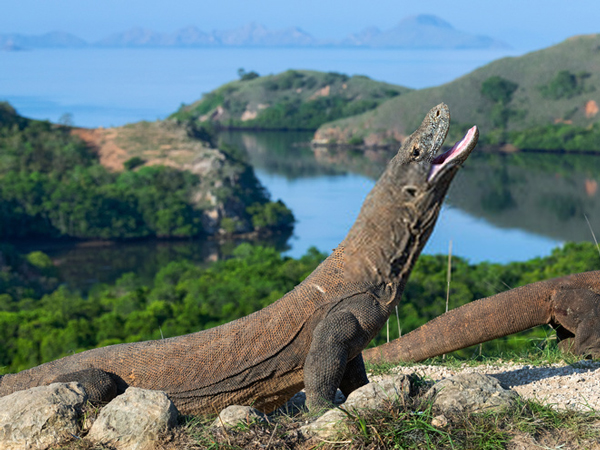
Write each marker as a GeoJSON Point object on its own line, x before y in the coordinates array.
{"type": "Point", "coordinates": [482, 320]}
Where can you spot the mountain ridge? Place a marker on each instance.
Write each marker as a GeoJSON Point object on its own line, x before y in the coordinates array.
{"type": "Point", "coordinates": [423, 31]}
{"type": "Point", "coordinates": [414, 32]}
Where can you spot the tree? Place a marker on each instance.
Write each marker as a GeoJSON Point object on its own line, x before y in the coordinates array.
{"type": "Point", "coordinates": [246, 76]}
{"type": "Point", "coordinates": [66, 119]}
{"type": "Point", "coordinates": [498, 89]}
{"type": "Point", "coordinates": [564, 85]}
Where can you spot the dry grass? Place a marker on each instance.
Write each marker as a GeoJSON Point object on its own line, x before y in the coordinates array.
{"type": "Point", "coordinates": [528, 426]}
{"type": "Point", "coordinates": [157, 143]}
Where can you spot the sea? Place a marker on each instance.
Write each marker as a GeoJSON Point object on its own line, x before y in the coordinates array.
{"type": "Point", "coordinates": [111, 87]}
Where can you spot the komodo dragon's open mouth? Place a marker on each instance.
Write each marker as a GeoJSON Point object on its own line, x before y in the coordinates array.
{"type": "Point", "coordinates": [456, 155]}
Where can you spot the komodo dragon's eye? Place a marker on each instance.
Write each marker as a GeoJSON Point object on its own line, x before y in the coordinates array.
{"type": "Point", "coordinates": [416, 152]}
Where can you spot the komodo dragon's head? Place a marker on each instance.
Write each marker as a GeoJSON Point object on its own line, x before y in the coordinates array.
{"type": "Point", "coordinates": [398, 215]}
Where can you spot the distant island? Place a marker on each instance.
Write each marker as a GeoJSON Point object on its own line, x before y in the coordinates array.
{"type": "Point", "coordinates": [291, 100]}
{"type": "Point", "coordinates": [415, 32]}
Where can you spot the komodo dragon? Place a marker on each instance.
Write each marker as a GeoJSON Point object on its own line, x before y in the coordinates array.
{"type": "Point", "coordinates": [570, 304]}
{"type": "Point", "coordinates": [313, 336]}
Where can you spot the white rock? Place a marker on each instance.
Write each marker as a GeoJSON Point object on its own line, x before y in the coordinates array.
{"type": "Point", "coordinates": [133, 420]}
{"type": "Point", "coordinates": [40, 417]}
{"type": "Point", "coordinates": [471, 393]}
{"type": "Point", "coordinates": [235, 414]}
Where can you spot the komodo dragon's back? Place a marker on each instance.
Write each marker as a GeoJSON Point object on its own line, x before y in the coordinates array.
{"type": "Point", "coordinates": [313, 336]}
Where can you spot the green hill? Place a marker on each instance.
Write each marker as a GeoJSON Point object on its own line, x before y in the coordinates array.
{"type": "Point", "coordinates": [295, 99]}
{"type": "Point", "coordinates": [548, 99]}
{"type": "Point", "coordinates": [142, 180]}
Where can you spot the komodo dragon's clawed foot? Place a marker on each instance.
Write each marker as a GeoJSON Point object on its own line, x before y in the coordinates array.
{"type": "Point", "coordinates": [98, 385]}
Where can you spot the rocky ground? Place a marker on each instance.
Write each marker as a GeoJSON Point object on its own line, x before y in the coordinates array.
{"type": "Point", "coordinates": [396, 410]}
{"type": "Point", "coordinates": [575, 386]}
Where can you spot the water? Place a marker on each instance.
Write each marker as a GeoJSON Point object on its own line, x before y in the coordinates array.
{"type": "Point", "coordinates": [106, 87]}
{"type": "Point", "coordinates": [326, 191]}
{"type": "Point", "coordinates": [327, 206]}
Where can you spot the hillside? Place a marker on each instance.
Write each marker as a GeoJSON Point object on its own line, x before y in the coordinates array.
{"type": "Point", "coordinates": [295, 99]}
{"type": "Point", "coordinates": [141, 180]}
{"type": "Point", "coordinates": [548, 99]}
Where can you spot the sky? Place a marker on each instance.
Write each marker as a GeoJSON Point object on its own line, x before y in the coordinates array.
{"type": "Point", "coordinates": [524, 24]}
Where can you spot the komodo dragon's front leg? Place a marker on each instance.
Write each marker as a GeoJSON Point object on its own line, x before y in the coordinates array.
{"type": "Point", "coordinates": [570, 304]}
{"type": "Point", "coordinates": [333, 359]}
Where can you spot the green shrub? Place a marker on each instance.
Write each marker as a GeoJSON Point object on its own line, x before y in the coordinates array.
{"type": "Point", "coordinates": [209, 102]}
{"type": "Point", "coordinates": [564, 85]}
{"type": "Point", "coordinates": [557, 137]}
{"type": "Point", "coordinates": [39, 260]}
{"type": "Point", "coordinates": [229, 225]}
{"type": "Point", "coordinates": [247, 76]}
{"type": "Point", "coordinates": [134, 162]}
{"type": "Point", "coordinates": [294, 114]}
{"type": "Point", "coordinates": [356, 140]}
{"type": "Point", "coordinates": [290, 79]}
{"type": "Point", "coordinates": [270, 215]}
{"type": "Point", "coordinates": [498, 89]}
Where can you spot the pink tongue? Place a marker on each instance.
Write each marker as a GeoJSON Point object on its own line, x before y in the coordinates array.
{"type": "Point", "coordinates": [453, 153]}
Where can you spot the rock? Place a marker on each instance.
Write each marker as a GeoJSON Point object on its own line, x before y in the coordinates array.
{"type": "Point", "coordinates": [380, 394]}
{"type": "Point", "coordinates": [133, 420]}
{"type": "Point", "coordinates": [235, 414]}
{"type": "Point", "coordinates": [328, 426]}
{"type": "Point", "coordinates": [440, 421]}
{"type": "Point", "coordinates": [40, 417]}
{"type": "Point", "coordinates": [377, 395]}
{"type": "Point", "coordinates": [471, 393]}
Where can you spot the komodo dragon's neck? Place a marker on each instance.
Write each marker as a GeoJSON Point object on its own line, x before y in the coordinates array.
{"type": "Point", "coordinates": [400, 212]}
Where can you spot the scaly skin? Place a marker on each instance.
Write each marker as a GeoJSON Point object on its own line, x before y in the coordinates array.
{"type": "Point", "coordinates": [314, 335]}
{"type": "Point", "coordinates": [569, 304]}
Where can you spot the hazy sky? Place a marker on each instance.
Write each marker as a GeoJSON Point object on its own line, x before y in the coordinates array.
{"type": "Point", "coordinates": [521, 23]}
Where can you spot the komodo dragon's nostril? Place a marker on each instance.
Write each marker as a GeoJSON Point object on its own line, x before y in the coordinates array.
{"type": "Point", "coordinates": [411, 190]}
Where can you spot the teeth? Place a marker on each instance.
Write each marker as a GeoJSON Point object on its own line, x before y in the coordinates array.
{"type": "Point", "coordinates": [452, 154]}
